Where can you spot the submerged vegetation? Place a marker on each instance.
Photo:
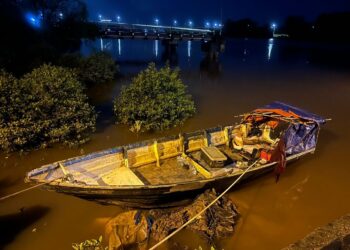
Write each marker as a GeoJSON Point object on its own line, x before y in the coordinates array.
{"type": "Point", "coordinates": [155, 100]}
{"type": "Point", "coordinates": [45, 106]}
{"type": "Point", "coordinates": [92, 244]}
{"type": "Point", "coordinates": [97, 68]}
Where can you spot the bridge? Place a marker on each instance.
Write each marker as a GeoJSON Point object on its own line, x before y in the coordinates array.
{"type": "Point", "coordinates": [115, 30]}
{"type": "Point", "coordinates": [211, 40]}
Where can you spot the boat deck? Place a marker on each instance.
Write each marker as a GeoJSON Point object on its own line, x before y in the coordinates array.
{"type": "Point", "coordinates": [173, 170]}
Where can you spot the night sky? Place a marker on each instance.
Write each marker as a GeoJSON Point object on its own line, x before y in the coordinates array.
{"type": "Point", "coordinates": [200, 11]}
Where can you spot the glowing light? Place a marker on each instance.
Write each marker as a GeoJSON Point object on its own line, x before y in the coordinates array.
{"type": "Point", "coordinates": [190, 23]}
{"type": "Point", "coordinates": [175, 22]}
{"type": "Point", "coordinates": [60, 14]}
{"type": "Point", "coordinates": [101, 41]}
{"type": "Point", "coordinates": [33, 20]}
{"type": "Point", "coordinates": [99, 16]}
{"type": "Point", "coordinates": [156, 21]}
{"type": "Point", "coordinates": [273, 27]}
{"type": "Point", "coordinates": [118, 19]}
{"type": "Point", "coordinates": [207, 25]}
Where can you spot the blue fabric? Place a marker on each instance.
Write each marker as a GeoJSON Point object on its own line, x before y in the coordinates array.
{"type": "Point", "coordinates": [302, 113]}
{"type": "Point", "coordinates": [300, 137]}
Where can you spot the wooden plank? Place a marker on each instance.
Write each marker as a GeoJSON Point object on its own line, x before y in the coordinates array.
{"type": "Point", "coordinates": [122, 176]}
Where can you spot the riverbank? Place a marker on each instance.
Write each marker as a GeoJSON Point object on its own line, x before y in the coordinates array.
{"type": "Point", "coordinates": [334, 235]}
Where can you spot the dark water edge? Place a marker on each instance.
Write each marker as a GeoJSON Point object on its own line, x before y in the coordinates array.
{"type": "Point", "coordinates": [248, 74]}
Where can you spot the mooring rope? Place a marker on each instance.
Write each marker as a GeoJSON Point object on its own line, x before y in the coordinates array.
{"type": "Point", "coordinates": [30, 188]}
{"type": "Point", "coordinates": [203, 210]}
{"type": "Point", "coordinates": [21, 191]}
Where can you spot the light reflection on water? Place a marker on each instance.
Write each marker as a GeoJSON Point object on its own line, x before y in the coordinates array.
{"type": "Point", "coordinates": [274, 215]}
{"type": "Point", "coordinates": [269, 49]}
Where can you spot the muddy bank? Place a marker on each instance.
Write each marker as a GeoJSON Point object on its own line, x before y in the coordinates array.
{"type": "Point", "coordinates": [142, 228]}
{"type": "Point", "coordinates": [333, 236]}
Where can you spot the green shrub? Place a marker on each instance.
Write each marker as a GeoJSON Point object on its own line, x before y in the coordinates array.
{"type": "Point", "coordinates": [97, 68]}
{"type": "Point", "coordinates": [155, 100]}
{"type": "Point", "coordinates": [46, 106]}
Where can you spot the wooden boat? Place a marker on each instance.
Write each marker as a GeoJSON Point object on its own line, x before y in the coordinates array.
{"type": "Point", "coordinates": [173, 170]}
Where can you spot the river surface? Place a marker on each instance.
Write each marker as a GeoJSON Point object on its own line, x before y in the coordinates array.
{"type": "Point", "coordinates": [250, 73]}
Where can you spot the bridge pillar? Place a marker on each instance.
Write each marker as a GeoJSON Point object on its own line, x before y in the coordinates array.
{"type": "Point", "coordinates": [169, 52]}
{"type": "Point", "coordinates": [213, 47]}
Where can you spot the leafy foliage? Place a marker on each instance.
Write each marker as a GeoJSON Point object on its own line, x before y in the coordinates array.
{"type": "Point", "coordinates": [90, 245]}
{"type": "Point", "coordinates": [97, 68]}
{"type": "Point", "coordinates": [46, 106]}
{"type": "Point", "coordinates": [155, 100]}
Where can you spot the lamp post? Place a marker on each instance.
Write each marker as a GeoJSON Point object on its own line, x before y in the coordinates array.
{"type": "Point", "coordinates": [273, 27]}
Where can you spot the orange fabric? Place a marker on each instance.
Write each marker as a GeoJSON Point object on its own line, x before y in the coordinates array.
{"type": "Point", "coordinates": [265, 155]}
{"type": "Point", "coordinates": [272, 124]}
{"type": "Point", "coordinates": [279, 112]}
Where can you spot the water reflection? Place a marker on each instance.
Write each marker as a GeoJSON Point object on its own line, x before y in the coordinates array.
{"type": "Point", "coordinates": [211, 65]}
{"type": "Point", "coordinates": [101, 43]}
{"type": "Point", "coordinates": [156, 48]}
{"type": "Point", "coordinates": [269, 49]}
{"type": "Point", "coordinates": [119, 47]}
{"type": "Point", "coordinates": [189, 47]}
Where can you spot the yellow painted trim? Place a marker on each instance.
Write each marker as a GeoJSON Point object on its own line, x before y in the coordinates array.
{"type": "Point", "coordinates": [198, 167]}
{"type": "Point", "coordinates": [126, 163]}
{"type": "Point", "coordinates": [155, 148]}
{"type": "Point", "coordinates": [227, 140]}
{"type": "Point", "coordinates": [65, 172]}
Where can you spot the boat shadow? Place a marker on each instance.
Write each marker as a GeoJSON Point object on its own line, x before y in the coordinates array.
{"type": "Point", "coordinates": [13, 224]}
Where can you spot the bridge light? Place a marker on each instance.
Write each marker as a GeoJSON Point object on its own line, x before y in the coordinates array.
{"type": "Point", "coordinates": [273, 27]}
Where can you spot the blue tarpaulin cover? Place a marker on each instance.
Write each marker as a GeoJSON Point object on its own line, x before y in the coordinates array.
{"type": "Point", "coordinates": [300, 112]}
{"type": "Point", "coordinates": [298, 137]}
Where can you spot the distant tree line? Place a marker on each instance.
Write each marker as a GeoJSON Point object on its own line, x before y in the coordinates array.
{"type": "Point", "coordinates": [326, 27]}
{"type": "Point", "coordinates": [61, 24]}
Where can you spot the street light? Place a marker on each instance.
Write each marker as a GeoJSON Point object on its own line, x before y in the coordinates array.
{"type": "Point", "coordinates": [175, 23]}
{"type": "Point", "coordinates": [190, 23]}
{"type": "Point", "coordinates": [100, 16]}
{"type": "Point", "coordinates": [273, 27]}
{"type": "Point", "coordinates": [207, 25]}
{"type": "Point", "coordinates": [118, 19]}
{"type": "Point", "coordinates": [156, 21]}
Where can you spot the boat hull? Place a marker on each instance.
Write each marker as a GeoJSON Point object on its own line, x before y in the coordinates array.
{"type": "Point", "coordinates": [162, 195]}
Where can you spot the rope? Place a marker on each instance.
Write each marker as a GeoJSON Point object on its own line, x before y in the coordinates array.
{"type": "Point", "coordinates": [203, 210]}
{"type": "Point", "coordinates": [27, 189]}
{"type": "Point", "coordinates": [21, 191]}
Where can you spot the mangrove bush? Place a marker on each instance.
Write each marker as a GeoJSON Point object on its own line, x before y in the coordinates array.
{"type": "Point", "coordinates": [97, 68]}
{"type": "Point", "coordinates": [155, 100]}
{"type": "Point", "coordinates": [45, 106]}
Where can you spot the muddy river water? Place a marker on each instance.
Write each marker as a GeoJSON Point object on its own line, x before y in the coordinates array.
{"type": "Point", "coordinates": [311, 192]}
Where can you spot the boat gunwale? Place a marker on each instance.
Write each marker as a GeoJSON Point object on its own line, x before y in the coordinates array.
{"type": "Point", "coordinates": [56, 183]}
